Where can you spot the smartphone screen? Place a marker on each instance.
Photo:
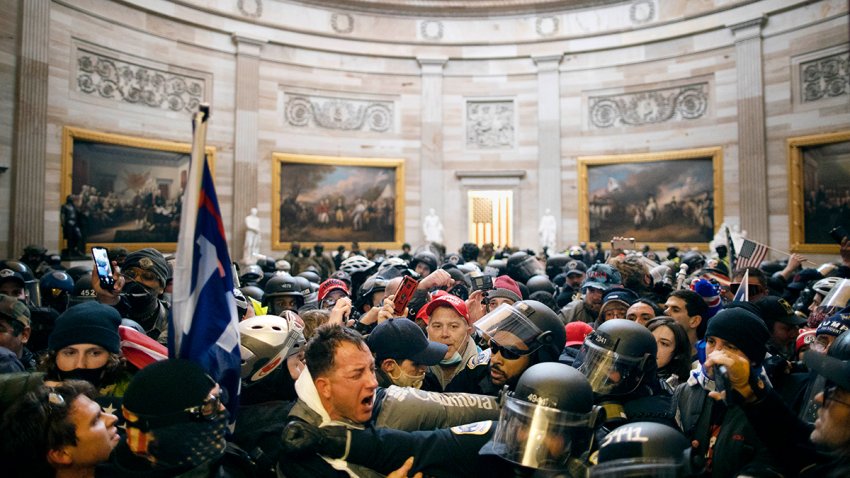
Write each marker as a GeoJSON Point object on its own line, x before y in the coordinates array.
{"type": "Point", "coordinates": [405, 293]}
{"type": "Point", "coordinates": [104, 267]}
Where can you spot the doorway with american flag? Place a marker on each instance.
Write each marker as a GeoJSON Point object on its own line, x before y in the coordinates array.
{"type": "Point", "coordinates": [490, 213]}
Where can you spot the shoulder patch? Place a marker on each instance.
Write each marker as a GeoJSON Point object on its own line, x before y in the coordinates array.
{"type": "Point", "coordinates": [477, 428]}
{"type": "Point", "coordinates": [483, 358]}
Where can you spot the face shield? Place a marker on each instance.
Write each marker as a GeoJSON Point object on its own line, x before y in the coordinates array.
{"type": "Point", "coordinates": [642, 467]}
{"type": "Point", "coordinates": [508, 318]}
{"type": "Point", "coordinates": [539, 437]}
{"type": "Point", "coordinates": [831, 304]}
{"type": "Point", "coordinates": [610, 373]}
{"type": "Point", "coordinates": [529, 267]}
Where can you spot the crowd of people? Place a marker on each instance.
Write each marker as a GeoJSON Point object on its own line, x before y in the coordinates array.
{"type": "Point", "coordinates": [587, 362]}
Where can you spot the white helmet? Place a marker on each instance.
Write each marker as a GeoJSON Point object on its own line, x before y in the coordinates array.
{"type": "Point", "coordinates": [282, 265]}
{"type": "Point", "coordinates": [823, 286]}
{"type": "Point", "coordinates": [264, 343]}
{"type": "Point", "coordinates": [356, 264]}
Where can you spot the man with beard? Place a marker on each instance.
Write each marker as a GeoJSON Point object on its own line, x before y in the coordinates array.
{"type": "Point", "coordinates": [139, 284]}
{"type": "Point", "coordinates": [520, 335]}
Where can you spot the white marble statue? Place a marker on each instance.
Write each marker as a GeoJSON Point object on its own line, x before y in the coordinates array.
{"type": "Point", "coordinates": [433, 227]}
{"type": "Point", "coordinates": [547, 229]}
{"type": "Point", "coordinates": [251, 248]}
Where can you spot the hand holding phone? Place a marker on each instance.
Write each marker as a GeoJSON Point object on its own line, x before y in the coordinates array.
{"type": "Point", "coordinates": [104, 268]}
{"type": "Point", "coordinates": [483, 282]}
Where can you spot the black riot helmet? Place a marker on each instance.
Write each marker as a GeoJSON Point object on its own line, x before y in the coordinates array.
{"type": "Point", "coordinates": [253, 292]}
{"type": "Point", "coordinates": [79, 271]}
{"type": "Point", "coordinates": [427, 258]}
{"type": "Point", "coordinates": [549, 418]}
{"type": "Point", "coordinates": [522, 266]}
{"type": "Point", "coordinates": [555, 264]}
{"type": "Point", "coordinates": [83, 291]}
{"type": "Point", "coordinates": [532, 322]}
{"type": "Point", "coordinates": [253, 273]}
{"type": "Point", "coordinates": [21, 268]}
{"type": "Point", "coordinates": [644, 449]}
{"type": "Point", "coordinates": [617, 358]}
{"type": "Point", "coordinates": [56, 288]}
{"type": "Point", "coordinates": [694, 259]}
{"type": "Point", "coordinates": [540, 283]}
{"type": "Point", "coordinates": [372, 284]}
{"type": "Point", "coordinates": [283, 286]}
{"type": "Point", "coordinates": [311, 276]}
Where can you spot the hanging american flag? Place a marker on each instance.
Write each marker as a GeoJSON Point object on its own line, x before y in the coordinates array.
{"type": "Point", "coordinates": [751, 254]}
{"type": "Point", "coordinates": [203, 323]}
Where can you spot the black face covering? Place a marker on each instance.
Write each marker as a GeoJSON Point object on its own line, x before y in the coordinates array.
{"type": "Point", "coordinates": [188, 445]}
{"type": "Point", "coordinates": [141, 298]}
{"type": "Point", "coordinates": [90, 375]}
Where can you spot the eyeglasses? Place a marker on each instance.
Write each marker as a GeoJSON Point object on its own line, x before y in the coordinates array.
{"type": "Point", "coordinates": [752, 289]}
{"type": "Point", "coordinates": [829, 395]}
{"type": "Point", "coordinates": [208, 410]}
{"type": "Point", "coordinates": [135, 273]}
{"type": "Point", "coordinates": [509, 353]}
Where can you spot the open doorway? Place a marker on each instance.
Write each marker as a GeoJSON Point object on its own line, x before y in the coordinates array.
{"type": "Point", "coordinates": [490, 213]}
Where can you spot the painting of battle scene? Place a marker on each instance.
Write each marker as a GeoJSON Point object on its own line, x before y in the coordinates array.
{"type": "Point", "coordinates": [124, 191]}
{"type": "Point", "coordinates": [337, 200]}
{"type": "Point", "coordinates": [668, 199]}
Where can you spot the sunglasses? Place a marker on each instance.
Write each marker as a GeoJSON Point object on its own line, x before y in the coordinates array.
{"type": "Point", "coordinates": [752, 289]}
{"type": "Point", "coordinates": [136, 274]}
{"type": "Point", "coordinates": [509, 353]}
{"type": "Point", "coordinates": [829, 395]}
{"type": "Point", "coordinates": [208, 410]}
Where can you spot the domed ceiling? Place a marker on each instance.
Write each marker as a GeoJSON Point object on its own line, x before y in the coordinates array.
{"type": "Point", "coordinates": [479, 8]}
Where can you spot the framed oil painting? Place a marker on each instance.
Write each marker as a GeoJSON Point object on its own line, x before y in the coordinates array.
{"type": "Point", "coordinates": [818, 190]}
{"type": "Point", "coordinates": [657, 198]}
{"type": "Point", "coordinates": [336, 200]}
{"type": "Point", "coordinates": [125, 191]}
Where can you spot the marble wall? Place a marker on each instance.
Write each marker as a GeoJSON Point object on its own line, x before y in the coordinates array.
{"type": "Point", "coordinates": [468, 103]}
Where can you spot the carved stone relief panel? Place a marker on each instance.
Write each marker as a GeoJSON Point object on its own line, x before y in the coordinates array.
{"type": "Point", "coordinates": [649, 107]}
{"type": "Point", "coordinates": [250, 8]}
{"type": "Point", "coordinates": [490, 124]}
{"type": "Point", "coordinates": [348, 114]}
{"type": "Point", "coordinates": [826, 77]}
{"type": "Point", "coordinates": [115, 79]}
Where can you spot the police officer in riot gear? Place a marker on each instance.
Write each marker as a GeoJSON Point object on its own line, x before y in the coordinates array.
{"type": "Point", "coordinates": [619, 361]}
{"type": "Point", "coordinates": [644, 449]}
{"type": "Point", "coordinates": [424, 263]}
{"type": "Point", "coordinates": [545, 429]}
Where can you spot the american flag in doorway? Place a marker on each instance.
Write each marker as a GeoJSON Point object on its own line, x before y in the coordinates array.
{"type": "Point", "coordinates": [751, 254]}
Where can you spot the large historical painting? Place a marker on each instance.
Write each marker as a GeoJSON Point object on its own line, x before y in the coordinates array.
{"type": "Point", "coordinates": [126, 191]}
{"type": "Point", "coordinates": [819, 190]}
{"type": "Point", "coordinates": [337, 200]}
{"type": "Point", "coordinates": [656, 198]}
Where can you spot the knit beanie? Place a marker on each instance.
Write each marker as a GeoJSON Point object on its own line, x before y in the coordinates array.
{"type": "Point", "coordinates": [743, 329]}
{"type": "Point", "coordinates": [166, 387]}
{"type": "Point", "coordinates": [148, 259]}
{"type": "Point", "coordinates": [87, 323]}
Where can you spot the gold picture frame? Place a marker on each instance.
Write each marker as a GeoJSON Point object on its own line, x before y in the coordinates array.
{"type": "Point", "coordinates": [635, 195]}
{"type": "Point", "coordinates": [337, 200]}
{"type": "Point", "coordinates": [818, 175]}
{"type": "Point", "coordinates": [127, 189]}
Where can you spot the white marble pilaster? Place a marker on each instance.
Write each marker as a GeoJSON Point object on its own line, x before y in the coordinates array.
{"type": "Point", "coordinates": [549, 139]}
{"type": "Point", "coordinates": [431, 159]}
{"type": "Point", "coordinates": [752, 158]}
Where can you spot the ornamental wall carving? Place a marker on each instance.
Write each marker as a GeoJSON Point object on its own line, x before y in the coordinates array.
{"type": "Point", "coordinates": [110, 78]}
{"type": "Point", "coordinates": [347, 114]}
{"type": "Point", "coordinates": [826, 77]}
{"type": "Point", "coordinates": [686, 102]}
{"type": "Point", "coordinates": [490, 124]}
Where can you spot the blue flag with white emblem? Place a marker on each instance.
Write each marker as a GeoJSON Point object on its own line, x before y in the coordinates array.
{"type": "Point", "coordinates": [203, 323]}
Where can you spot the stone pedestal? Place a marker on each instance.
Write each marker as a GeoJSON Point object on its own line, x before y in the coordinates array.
{"type": "Point", "coordinates": [431, 156]}
{"type": "Point", "coordinates": [549, 137]}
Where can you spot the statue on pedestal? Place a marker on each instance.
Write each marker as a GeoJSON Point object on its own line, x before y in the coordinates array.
{"type": "Point", "coordinates": [70, 217]}
{"type": "Point", "coordinates": [433, 227]}
{"type": "Point", "coordinates": [547, 229]}
{"type": "Point", "coordinates": [251, 248]}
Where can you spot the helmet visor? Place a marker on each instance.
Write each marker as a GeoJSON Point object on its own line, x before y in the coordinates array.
{"type": "Point", "coordinates": [536, 436]}
{"type": "Point", "coordinates": [506, 318]}
{"type": "Point", "coordinates": [609, 373]}
{"type": "Point", "coordinates": [832, 303]}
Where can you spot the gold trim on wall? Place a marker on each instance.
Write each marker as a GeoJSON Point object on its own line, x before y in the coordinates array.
{"type": "Point", "coordinates": [70, 133]}
{"type": "Point", "coordinates": [715, 153]}
{"type": "Point", "coordinates": [796, 201]}
{"type": "Point", "coordinates": [278, 159]}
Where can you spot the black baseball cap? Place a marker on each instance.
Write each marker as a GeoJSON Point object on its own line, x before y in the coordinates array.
{"type": "Point", "coordinates": [777, 309]}
{"type": "Point", "coordinates": [401, 339]}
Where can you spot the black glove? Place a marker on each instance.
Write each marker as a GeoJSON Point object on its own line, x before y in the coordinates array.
{"type": "Point", "coordinates": [301, 438]}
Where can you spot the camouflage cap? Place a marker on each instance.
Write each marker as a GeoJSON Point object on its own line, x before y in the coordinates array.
{"type": "Point", "coordinates": [13, 309]}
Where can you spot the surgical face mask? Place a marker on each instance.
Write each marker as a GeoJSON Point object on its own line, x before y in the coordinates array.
{"type": "Point", "coordinates": [404, 379]}
{"type": "Point", "coordinates": [453, 360]}
{"type": "Point", "coordinates": [139, 296]}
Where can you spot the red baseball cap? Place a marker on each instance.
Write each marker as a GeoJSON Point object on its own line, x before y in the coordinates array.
{"type": "Point", "coordinates": [444, 299]}
{"type": "Point", "coordinates": [576, 332]}
{"type": "Point", "coordinates": [332, 284]}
